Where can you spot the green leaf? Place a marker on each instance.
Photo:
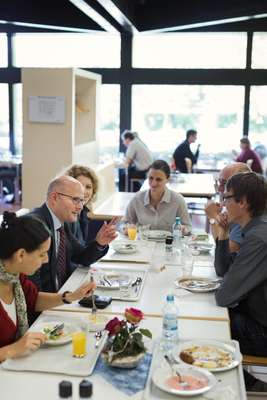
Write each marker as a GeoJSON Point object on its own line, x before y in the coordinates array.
{"type": "Point", "coordinates": [146, 332]}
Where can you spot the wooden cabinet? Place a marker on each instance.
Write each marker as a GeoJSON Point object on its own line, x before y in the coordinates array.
{"type": "Point", "coordinates": [48, 147]}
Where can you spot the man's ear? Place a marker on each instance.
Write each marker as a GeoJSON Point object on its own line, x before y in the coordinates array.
{"type": "Point", "coordinates": [243, 203]}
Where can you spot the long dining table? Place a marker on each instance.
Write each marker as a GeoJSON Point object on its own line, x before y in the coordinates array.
{"type": "Point", "coordinates": [199, 318]}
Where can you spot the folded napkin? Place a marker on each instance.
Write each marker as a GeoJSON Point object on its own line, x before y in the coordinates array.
{"type": "Point", "coordinates": [129, 381]}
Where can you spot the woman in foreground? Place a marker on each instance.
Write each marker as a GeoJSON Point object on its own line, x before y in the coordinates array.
{"type": "Point", "coordinates": [24, 243]}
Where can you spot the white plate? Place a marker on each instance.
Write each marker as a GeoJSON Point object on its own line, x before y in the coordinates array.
{"type": "Point", "coordinates": [235, 356]}
{"type": "Point", "coordinates": [68, 330]}
{"type": "Point", "coordinates": [124, 246]}
{"type": "Point", "coordinates": [202, 248]}
{"type": "Point", "coordinates": [198, 284]}
{"type": "Point", "coordinates": [114, 278]}
{"type": "Point", "coordinates": [156, 235]}
{"type": "Point", "coordinates": [161, 374]}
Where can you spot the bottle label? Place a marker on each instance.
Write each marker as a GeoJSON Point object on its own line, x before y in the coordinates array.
{"type": "Point", "coordinates": [170, 322]}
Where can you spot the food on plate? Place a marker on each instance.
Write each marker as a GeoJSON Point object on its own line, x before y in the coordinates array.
{"type": "Point", "coordinates": [197, 283]}
{"type": "Point", "coordinates": [193, 383]}
{"type": "Point", "coordinates": [51, 334]}
{"type": "Point", "coordinates": [210, 357]}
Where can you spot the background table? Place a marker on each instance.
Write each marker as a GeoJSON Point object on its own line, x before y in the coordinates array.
{"type": "Point", "coordinates": [191, 185]}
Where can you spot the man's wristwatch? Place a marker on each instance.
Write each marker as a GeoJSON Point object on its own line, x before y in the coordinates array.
{"type": "Point", "coordinates": [63, 297]}
{"type": "Point", "coordinates": [213, 221]}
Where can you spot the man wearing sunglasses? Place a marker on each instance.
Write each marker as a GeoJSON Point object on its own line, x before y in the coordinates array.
{"type": "Point", "coordinates": [213, 210]}
{"type": "Point", "coordinates": [244, 286]}
{"type": "Point", "coordinates": [65, 198]}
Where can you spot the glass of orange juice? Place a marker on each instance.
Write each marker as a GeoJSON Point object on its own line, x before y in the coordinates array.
{"type": "Point", "coordinates": [132, 231]}
{"type": "Point", "coordinates": [79, 342]}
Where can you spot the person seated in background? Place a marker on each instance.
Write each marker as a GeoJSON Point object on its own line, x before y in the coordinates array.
{"type": "Point", "coordinates": [65, 198]}
{"type": "Point", "coordinates": [138, 158]}
{"type": "Point", "coordinates": [244, 286]}
{"type": "Point", "coordinates": [248, 154]}
{"type": "Point", "coordinates": [158, 206]}
{"type": "Point", "coordinates": [213, 210]}
{"type": "Point", "coordinates": [24, 246]}
{"type": "Point", "coordinates": [86, 227]}
{"type": "Point", "coordinates": [183, 151]}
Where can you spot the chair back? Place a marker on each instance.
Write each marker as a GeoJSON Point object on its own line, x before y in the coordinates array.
{"type": "Point", "coordinates": [189, 165]}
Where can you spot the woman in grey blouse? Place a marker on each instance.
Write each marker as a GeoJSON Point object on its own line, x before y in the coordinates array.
{"type": "Point", "coordinates": [158, 206]}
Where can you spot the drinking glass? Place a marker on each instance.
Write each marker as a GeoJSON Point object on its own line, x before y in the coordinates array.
{"type": "Point", "coordinates": [142, 230]}
{"type": "Point", "coordinates": [79, 341]}
{"type": "Point", "coordinates": [125, 289]}
{"type": "Point", "coordinates": [187, 261]}
{"type": "Point", "coordinates": [132, 231]}
{"type": "Point", "coordinates": [157, 259]}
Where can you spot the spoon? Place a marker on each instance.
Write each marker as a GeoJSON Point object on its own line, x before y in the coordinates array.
{"type": "Point", "coordinates": [174, 371]}
{"type": "Point", "coordinates": [98, 336]}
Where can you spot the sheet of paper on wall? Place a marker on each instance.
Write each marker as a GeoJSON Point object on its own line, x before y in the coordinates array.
{"type": "Point", "coordinates": [47, 109]}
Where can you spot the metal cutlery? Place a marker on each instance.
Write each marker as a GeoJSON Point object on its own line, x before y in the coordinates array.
{"type": "Point", "coordinates": [137, 281]}
{"type": "Point", "coordinates": [94, 308]}
{"type": "Point", "coordinates": [171, 364]}
{"type": "Point", "coordinates": [98, 336]}
{"type": "Point", "coordinates": [57, 329]}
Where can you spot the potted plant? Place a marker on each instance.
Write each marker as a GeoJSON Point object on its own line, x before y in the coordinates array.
{"type": "Point", "coordinates": [125, 346]}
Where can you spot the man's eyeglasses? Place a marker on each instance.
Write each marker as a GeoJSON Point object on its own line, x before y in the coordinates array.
{"type": "Point", "coordinates": [228, 196]}
{"type": "Point", "coordinates": [76, 200]}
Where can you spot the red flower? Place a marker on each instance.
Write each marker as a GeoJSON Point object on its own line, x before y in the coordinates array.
{"type": "Point", "coordinates": [133, 315]}
{"type": "Point", "coordinates": [113, 326]}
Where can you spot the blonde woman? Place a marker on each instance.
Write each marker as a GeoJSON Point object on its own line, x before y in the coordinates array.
{"type": "Point", "coordinates": [86, 228]}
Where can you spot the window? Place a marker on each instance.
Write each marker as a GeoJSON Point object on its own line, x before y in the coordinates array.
{"type": "Point", "coordinates": [4, 118]}
{"type": "Point", "coordinates": [67, 50]}
{"type": "Point", "coordinates": [190, 50]}
{"type": "Point", "coordinates": [259, 50]}
{"type": "Point", "coordinates": [258, 115]}
{"type": "Point", "coordinates": [17, 92]}
{"type": "Point", "coordinates": [110, 121]}
{"type": "Point", "coordinates": [3, 50]}
{"type": "Point", "coordinates": [162, 114]}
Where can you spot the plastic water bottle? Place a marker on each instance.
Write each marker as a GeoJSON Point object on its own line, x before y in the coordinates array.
{"type": "Point", "coordinates": [169, 323]}
{"type": "Point", "coordinates": [177, 236]}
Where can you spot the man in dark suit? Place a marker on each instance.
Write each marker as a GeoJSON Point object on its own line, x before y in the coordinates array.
{"type": "Point", "coordinates": [64, 202]}
{"type": "Point", "coordinates": [183, 151]}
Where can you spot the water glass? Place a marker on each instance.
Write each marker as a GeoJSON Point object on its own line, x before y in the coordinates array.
{"type": "Point", "coordinates": [187, 262]}
{"type": "Point", "coordinates": [157, 259]}
{"type": "Point", "coordinates": [142, 229]}
{"type": "Point", "coordinates": [125, 289]}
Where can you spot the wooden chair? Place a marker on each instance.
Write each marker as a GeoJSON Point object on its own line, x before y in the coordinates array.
{"type": "Point", "coordinates": [253, 360]}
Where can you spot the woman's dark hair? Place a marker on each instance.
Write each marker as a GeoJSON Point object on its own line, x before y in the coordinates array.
{"type": "Point", "coordinates": [252, 187]}
{"type": "Point", "coordinates": [245, 140]}
{"type": "Point", "coordinates": [128, 135]}
{"type": "Point", "coordinates": [162, 166]}
{"type": "Point", "coordinates": [25, 232]}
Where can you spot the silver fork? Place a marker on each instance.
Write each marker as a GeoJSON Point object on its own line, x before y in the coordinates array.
{"type": "Point", "coordinates": [174, 371]}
